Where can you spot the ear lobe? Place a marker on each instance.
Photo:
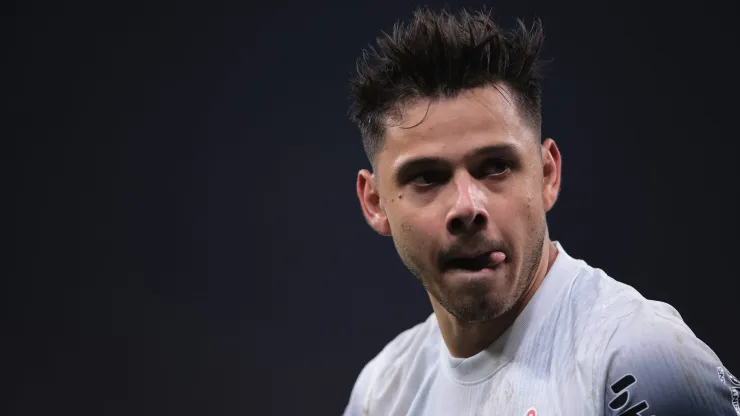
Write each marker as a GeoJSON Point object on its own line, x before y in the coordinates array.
{"type": "Point", "coordinates": [551, 167]}
{"type": "Point", "coordinates": [372, 207]}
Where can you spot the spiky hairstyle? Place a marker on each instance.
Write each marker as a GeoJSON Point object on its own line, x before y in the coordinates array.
{"type": "Point", "coordinates": [439, 55]}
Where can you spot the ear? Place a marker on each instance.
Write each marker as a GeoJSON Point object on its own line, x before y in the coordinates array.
{"type": "Point", "coordinates": [372, 208]}
{"type": "Point", "coordinates": [551, 165]}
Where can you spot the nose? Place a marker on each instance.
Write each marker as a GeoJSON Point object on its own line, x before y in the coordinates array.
{"type": "Point", "coordinates": [468, 215]}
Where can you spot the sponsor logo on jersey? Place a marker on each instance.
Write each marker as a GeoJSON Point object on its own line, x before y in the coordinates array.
{"type": "Point", "coordinates": [622, 386]}
{"type": "Point", "coordinates": [734, 384]}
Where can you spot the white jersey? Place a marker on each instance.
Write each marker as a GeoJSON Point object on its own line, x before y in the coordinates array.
{"type": "Point", "coordinates": [585, 345]}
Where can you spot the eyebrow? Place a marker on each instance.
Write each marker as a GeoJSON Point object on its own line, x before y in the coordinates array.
{"type": "Point", "coordinates": [405, 167]}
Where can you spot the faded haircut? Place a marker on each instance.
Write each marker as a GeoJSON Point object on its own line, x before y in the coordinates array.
{"type": "Point", "coordinates": [438, 55]}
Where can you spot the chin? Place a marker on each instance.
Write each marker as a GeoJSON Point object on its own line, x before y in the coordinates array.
{"type": "Point", "coordinates": [474, 305]}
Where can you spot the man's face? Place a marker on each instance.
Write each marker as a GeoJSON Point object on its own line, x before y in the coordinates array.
{"type": "Point", "coordinates": [460, 186]}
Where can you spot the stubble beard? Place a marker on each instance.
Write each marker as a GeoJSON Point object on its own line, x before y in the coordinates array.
{"type": "Point", "coordinates": [474, 303]}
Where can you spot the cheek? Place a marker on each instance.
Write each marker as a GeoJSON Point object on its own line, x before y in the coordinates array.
{"type": "Point", "coordinates": [418, 228]}
{"type": "Point", "coordinates": [515, 215]}
{"type": "Point", "coordinates": [530, 206]}
{"type": "Point", "coordinates": [416, 233]}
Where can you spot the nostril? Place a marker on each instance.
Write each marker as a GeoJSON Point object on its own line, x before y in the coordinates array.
{"type": "Point", "coordinates": [456, 224]}
{"type": "Point", "coordinates": [460, 224]}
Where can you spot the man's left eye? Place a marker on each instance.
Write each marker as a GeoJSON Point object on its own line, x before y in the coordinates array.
{"type": "Point", "coordinates": [495, 168]}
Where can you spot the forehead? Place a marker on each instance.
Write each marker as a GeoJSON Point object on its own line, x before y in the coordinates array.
{"type": "Point", "coordinates": [450, 127]}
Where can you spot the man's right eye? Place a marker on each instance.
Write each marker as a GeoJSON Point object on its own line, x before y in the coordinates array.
{"type": "Point", "coordinates": [429, 178]}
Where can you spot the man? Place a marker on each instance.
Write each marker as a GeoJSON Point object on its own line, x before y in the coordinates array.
{"type": "Point", "coordinates": [449, 111]}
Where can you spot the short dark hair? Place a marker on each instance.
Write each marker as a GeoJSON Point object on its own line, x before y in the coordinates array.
{"type": "Point", "coordinates": [439, 55]}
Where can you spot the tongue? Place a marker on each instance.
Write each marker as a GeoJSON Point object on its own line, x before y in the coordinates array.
{"type": "Point", "coordinates": [497, 257]}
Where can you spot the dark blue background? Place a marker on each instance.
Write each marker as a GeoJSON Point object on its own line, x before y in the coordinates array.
{"type": "Point", "coordinates": [186, 235]}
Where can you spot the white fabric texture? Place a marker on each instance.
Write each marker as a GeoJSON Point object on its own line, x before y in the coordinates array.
{"type": "Point", "coordinates": [584, 345]}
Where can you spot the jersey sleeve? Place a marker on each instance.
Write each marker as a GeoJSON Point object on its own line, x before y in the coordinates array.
{"type": "Point", "coordinates": [656, 366]}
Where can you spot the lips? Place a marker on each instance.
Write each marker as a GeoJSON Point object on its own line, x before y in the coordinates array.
{"type": "Point", "coordinates": [472, 263]}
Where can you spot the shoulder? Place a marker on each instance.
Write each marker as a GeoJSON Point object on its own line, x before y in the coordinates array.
{"type": "Point", "coordinates": [392, 363]}
{"type": "Point", "coordinates": [639, 354]}
{"type": "Point", "coordinates": [598, 305]}
{"type": "Point", "coordinates": [592, 300]}
{"type": "Point", "coordinates": [652, 360]}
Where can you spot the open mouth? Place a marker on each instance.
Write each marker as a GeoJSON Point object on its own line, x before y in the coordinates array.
{"type": "Point", "coordinates": [476, 263]}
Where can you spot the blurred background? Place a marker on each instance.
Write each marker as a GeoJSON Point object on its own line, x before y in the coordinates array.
{"type": "Point", "coordinates": [183, 231]}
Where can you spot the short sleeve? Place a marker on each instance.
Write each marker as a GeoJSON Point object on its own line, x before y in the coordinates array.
{"type": "Point", "coordinates": [654, 365]}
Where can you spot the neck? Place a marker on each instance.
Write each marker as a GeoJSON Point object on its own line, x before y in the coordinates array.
{"type": "Point", "coordinates": [465, 339]}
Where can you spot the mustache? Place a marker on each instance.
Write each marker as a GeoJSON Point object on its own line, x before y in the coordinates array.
{"type": "Point", "coordinates": [472, 247]}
